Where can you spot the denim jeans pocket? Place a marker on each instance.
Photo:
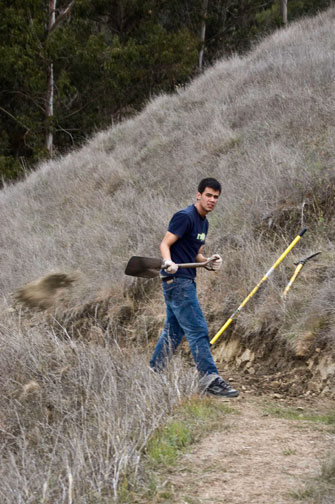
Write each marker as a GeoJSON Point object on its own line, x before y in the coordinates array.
{"type": "Point", "coordinates": [188, 289]}
{"type": "Point", "coordinates": [168, 287]}
{"type": "Point", "coordinates": [169, 291]}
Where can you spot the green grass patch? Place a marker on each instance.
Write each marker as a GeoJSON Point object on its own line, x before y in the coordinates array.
{"type": "Point", "coordinates": [204, 410]}
{"type": "Point", "coordinates": [289, 451]}
{"type": "Point", "coordinates": [190, 420]}
{"type": "Point", "coordinates": [290, 413]}
{"type": "Point", "coordinates": [166, 443]}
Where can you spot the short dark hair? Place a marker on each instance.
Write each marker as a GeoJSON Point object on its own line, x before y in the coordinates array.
{"type": "Point", "coordinates": [209, 182]}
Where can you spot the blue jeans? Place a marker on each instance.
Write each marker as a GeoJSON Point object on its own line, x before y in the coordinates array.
{"type": "Point", "coordinates": [184, 317]}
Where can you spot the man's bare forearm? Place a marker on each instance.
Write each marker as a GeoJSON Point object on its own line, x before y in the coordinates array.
{"type": "Point", "coordinates": [165, 250]}
{"type": "Point", "coordinates": [200, 257]}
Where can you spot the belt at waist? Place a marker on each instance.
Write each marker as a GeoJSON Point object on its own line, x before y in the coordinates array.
{"type": "Point", "coordinates": [174, 278]}
{"type": "Point", "coordinates": [167, 278]}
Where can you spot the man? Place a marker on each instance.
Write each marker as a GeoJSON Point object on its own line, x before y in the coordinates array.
{"type": "Point", "coordinates": [183, 243]}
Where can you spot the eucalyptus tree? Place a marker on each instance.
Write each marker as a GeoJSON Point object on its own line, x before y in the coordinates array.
{"type": "Point", "coordinates": [27, 83]}
{"type": "Point", "coordinates": [70, 67]}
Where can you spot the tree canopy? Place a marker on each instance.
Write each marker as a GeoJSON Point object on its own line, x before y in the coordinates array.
{"type": "Point", "coordinates": [100, 61]}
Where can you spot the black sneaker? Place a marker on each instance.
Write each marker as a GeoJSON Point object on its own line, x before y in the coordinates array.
{"type": "Point", "coordinates": [220, 388]}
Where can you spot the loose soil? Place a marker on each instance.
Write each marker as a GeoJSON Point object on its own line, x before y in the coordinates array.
{"type": "Point", "coordinates": [256, 458]}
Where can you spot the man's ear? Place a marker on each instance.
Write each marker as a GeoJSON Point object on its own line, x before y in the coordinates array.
{"type": "Point", "coordinates": [198, 195]}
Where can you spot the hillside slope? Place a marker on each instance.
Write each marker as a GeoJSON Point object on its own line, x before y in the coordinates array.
{"type": "Point", "coordinates": [264, 124]}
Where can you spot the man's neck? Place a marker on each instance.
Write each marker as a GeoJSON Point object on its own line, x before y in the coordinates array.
{"type": "Point", "coordinates": [200, 210]}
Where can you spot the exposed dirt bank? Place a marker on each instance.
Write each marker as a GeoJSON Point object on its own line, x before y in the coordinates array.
{"type": "Point", "coordinates": [278, 367]}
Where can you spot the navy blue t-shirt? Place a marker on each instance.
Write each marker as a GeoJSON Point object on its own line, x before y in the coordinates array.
{"type": "Point", "coordinates": [191, 229]}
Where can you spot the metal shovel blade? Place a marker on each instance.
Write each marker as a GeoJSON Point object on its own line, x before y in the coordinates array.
{"type": "Point", "coordinates": [144, 267]}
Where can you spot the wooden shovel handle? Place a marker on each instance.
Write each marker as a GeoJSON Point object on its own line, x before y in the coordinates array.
{"type": "Point", "coordinates": [195, 265]}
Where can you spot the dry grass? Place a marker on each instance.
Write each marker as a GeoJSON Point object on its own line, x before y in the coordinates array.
{"type": "Point", "coordinates": [75, 417]}
{"type": "Point", "coordinates": [78, 409]}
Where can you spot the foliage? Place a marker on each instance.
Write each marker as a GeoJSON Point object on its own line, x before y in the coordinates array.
{"type": "Point", "coordinates": [109, 58]}
{"type": "Point", "coordinates": [106, 61]}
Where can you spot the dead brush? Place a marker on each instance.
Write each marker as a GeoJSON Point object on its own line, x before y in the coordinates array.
{"type": "Point", "coordinates": [82, 410]}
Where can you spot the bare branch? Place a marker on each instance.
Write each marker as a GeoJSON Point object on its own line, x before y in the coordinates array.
{"type": "Point", "coordinates": [15, 119]}
{"type": "Point", "coordinates": [67, 132]}
{"type": "Point", "coordinates": [27, 97]}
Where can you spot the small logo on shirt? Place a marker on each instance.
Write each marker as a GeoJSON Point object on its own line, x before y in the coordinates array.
{"type": "Point", "coordinates": [201, 236]}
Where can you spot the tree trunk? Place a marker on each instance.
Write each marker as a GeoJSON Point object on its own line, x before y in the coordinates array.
{"type": "Point", "coordinates": [49, 110]}
{"type": "Point", "coordinates": [49, 105]}
{"type": "Point", "coordinates": [49, 100]}
{"type": "Point", "coordinates": [203, 33]}
{"type": "Point", "coordinates": [284, 11]}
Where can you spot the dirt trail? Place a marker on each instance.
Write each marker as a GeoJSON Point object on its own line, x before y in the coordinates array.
{"type": "Point", "coordinates": [256, 459]}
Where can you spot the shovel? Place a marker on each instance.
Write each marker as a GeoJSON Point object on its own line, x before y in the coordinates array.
{"type": "Point", "coordinates": [149, 267]}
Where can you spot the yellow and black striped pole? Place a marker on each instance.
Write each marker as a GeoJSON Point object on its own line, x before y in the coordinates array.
{"type": "Point", "coordinates": [292, 279]}
{"type": "Point", "coordinates": [265, 277]}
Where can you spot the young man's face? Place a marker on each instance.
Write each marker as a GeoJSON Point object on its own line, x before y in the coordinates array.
{"type": "Point", "coordinates": [207, 200]}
